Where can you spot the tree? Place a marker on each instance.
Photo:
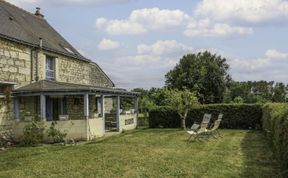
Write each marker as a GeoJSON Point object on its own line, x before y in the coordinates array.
{"type": "Point", "coordinates": [159, 96]}
{"type": "Point", "coordinates": [182, 101]}
{"type": "Point", "coordinates": [279, 93]}
{"type": "Point", "coordinates": [145, 103]}
{"type": "Point", "coordinates": [204, 73]}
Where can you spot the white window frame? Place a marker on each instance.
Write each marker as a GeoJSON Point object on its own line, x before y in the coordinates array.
{"type": "Point", "coordinates": [50, 70]}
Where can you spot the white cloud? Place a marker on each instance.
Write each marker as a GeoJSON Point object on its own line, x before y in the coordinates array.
{"type": "Point", "coordinates": [155, 18]}
{"type": "Point", "coordinates": [120, 27]}
{"type": "Point", "coordinates": [164, 47]}
{"type": "Point", "coordinates": [245, 10]}
{"type": "Point", "coordinates": [139, 70]}
{"type": "Point", "coordinates": [146, 20]}
{"type": "Point", "coordinates": [205, 28]}
{"type": "Point", "coordinates": [107, 44]}
{"type": "Point", "coordinates": [270, 67]}
{"type": "Point", "coordinates": [143, 20]}
{"type": "Point", "coordinates": [274, 54]}
{"type": "Point", "coordinates": [148, 67]}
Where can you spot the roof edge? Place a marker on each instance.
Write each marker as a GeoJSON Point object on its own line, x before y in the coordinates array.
{"type": "Point", "coordinates": [43, 48]}
{"type": "Point", "coordinates": [113, 84]}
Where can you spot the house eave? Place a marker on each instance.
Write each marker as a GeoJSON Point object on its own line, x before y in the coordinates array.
{"type": "Point", "coordinates": [36, 46]}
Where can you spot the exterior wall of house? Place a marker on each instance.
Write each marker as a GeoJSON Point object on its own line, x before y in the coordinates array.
{"type": "Point", "coordinates": [72, 70]}
{"type": "Point", "coordinates": [76, 129]}
{"type": "Point", "coordinates": [15, 63]}
{"type": "Point", "coordinates": [95, 128]}
{"type": "Point", "coordinates": [16, 66]}
{"type": "Point", "coordinates": [128, 121]}
{"type": "Point", "coordinates": [6, 113]}
{"type": "Point", "coordinates": [6, 107]}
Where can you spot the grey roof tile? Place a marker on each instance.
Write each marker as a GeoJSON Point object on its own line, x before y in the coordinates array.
{"type": "Point", "coordinates": [22, 26]}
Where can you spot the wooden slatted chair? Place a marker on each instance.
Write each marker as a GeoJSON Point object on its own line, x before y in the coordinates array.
{"type": "Point", "coordinates": [195, 132]}
{"type": "Point", "coordinates": [214, 130]}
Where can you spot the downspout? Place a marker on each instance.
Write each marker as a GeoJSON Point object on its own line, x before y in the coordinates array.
{"type": "Point", "coordinates": [32, 64]}
{"type": "Point", "coordinates": [37, 58]}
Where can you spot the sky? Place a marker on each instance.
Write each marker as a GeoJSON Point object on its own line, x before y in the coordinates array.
{"type": "Point", "coordinates": [136, 42]}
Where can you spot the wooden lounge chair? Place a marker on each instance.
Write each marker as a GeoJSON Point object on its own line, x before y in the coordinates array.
{"type": "Point", "coordinates": [202, 130]}
{"type": "Point", "coordinates": [206, 119]}
{"type": "Point", "coordinates": [214, 130]}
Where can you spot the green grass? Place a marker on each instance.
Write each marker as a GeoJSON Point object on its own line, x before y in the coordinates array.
{"type": "Point", "coordinates": [147, 153]}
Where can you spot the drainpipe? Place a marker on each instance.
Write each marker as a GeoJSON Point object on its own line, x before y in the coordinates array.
{"type": "Point", "coordinates": [37, 65]}
{"type": "Point", "coordinates": [32, 64]}
{"type": "Point", "coordinates": [37, 58]}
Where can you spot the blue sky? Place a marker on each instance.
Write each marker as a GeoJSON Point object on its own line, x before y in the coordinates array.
{"type": "Point", "coordinates": [136, 42]}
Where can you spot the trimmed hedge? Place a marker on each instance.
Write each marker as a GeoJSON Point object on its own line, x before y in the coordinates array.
{"type": "Point", "coordinates": [275, 123]}
{"type": "Point", "coordinates": [236, 116]}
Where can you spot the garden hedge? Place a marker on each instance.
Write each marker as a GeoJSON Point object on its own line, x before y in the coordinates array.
{"type": "Point", "coordinates": [236, 116]}
{"type": "Point", "coordinates": [275, 124]}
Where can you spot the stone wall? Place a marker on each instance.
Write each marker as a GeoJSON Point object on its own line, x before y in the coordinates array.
{"type": "Point", "coordinates": [6, 113]}
{"type": "Point", "coordinates": [72, 70]}
{"type": "Point", "coordinates": [6, 107]}
{"type": "Point", "coordinates": [95, 128]}
{"type": "Point", "coordinates": [29, 107]}
{"type": "Point", "coordinates": [76, 129]}
{"type": "Point", "coordinates": [128, 121]}
{"type": "Point", "coordinates": [15, 63]}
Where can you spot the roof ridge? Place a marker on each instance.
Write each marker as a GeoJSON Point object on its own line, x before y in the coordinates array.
{"type": "Point", "coordinates": [27, 12]}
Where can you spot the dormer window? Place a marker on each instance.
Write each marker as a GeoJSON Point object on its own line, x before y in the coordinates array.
{"type": "Point", "coordinates": [50, 68]}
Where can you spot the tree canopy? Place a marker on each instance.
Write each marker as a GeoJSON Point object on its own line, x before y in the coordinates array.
{"type": "Point", "coordinates": [204, 73]}
{"type": "Point", "coordinates": [182, 102]}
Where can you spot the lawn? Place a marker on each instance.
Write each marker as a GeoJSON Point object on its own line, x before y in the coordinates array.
{"type": "Point", "coordinates": [146, 153]}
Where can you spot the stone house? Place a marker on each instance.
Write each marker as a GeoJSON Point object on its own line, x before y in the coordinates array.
{"type": "Point", "coordinates": [44, 77]}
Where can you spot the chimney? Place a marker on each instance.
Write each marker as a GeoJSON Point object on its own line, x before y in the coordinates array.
{"type": "Point", "coordinates": [38, 13]}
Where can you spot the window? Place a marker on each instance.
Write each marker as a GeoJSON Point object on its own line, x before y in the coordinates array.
{"type": "Point", "coordinates": [50, 68]}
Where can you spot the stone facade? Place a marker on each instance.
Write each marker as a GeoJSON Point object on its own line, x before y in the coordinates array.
{"type": "Point", "coordinates": [18, 64]}
{"type": "Point", "coordinates": [75, 71]}
{"type": "Point", "coordinates": [6, 113]}
{"type": "Point", "coordinates": [15, 63]}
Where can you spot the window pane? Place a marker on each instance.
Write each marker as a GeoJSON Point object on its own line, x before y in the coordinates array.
{"type": "Point", "coordinates": [50, 71]}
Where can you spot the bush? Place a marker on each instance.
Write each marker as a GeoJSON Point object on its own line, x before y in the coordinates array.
{"type": "Point", "coordinates": [55, 135]}
{"type": "Point", "coordinates": [164, 117]}
{"type": "Point", "coordinates": [6, 138]}
{"type": "Point", "coordinates": [33, 133]}
{"type": "Point", "coordinates": [236, 116]}
{"type": "Point", "coordinates": [275, 123]}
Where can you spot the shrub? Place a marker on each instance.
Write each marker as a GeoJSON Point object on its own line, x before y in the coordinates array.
{"type": "Point", "coordinates": [275, 123]}
{"type": "Point", "coordinates": [236, 116]}
{"type": "Point", "coordinates": [33, 133]}
{"type": "Point", "coordinates": [55, 135]}
{"type": "Point", "coordinates": [6, 138]}
{"type": "Point", "coordinates": [164, 117]}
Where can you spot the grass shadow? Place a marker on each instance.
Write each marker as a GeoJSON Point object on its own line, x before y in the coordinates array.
{"type": "Point", "coordinates": [259, 160]}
